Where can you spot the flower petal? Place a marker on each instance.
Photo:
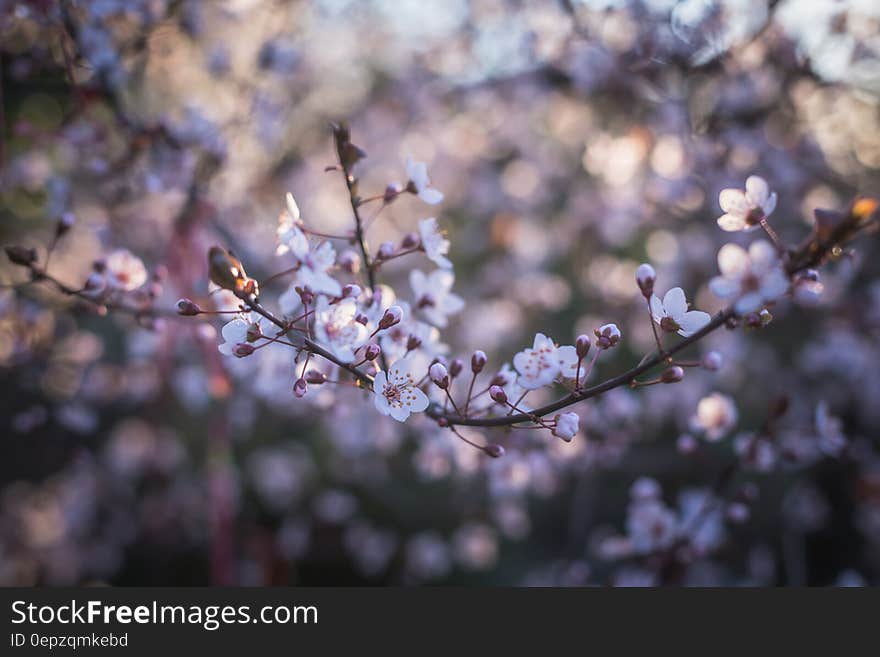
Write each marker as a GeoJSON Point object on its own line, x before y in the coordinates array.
{"type": "Point", "coordinates": [675, 303]}
{"type": "Point", "coordinates": [731, 222]}
{"type": "Point", "coordinates": [724, 288]}
{"type": "Point", "coordinates": [692, 321]}
{"type": "Point", "coordinates": [770, 205]}
{"type": "Point", "coordinates": [657, 308]}
{"type": "Point", "coordinates": [733, 261]}
{"type": "Point", "coordinates": [419, 401]}
{"type": "Point", "coordinates": [733, 201]}
{"type": "Point", "coordinates": [763, 256]}
{"type": "Point", "coordinates": [430, 195]}
{"type": "Point", "coordinates": [757, 191]}
{"type": "Point", "coordinates": [749, 303]}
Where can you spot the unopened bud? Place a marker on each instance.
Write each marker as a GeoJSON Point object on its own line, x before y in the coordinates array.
{"type": "Point", "coordinates": [607, 336]}
{"type": "Point", "coordinates": [361, 318]}
{"type": "Point", "coordinates": [315, 377]}
{"type": "Point", "coordinates": [386, 250]}
{"type": "Point", "coordinates": [645, 278]}
{"type": "Point", "coordinates": [188, 308]}
{"type": "Point", "coordinates": [494, 450]}
{"type": "Point", "coordinates": [712, 361]}
{"type": "Point", "coordinates": [672, 374]}
{"type": "Point", "coordinates": [242, 349]}
{"type": "Point", "coordinates": [582, 346]}
{"type": "Point", "coordinates": [392, 191]}
{"type": "Point", "coordinates": [372, 352]}
{"type": "Point", "coordinates": [65, 223]}
{"type": "Point", "coordinates": [413, 342]}
{"type": "Point", "coordinates": [306, 296]}
{"type": "Point", "coordinates": [21, 255]}
{"type": "Point", "coordinates": [478, 361]}
{"type": "Point", "coordinates": [391, 317]}
{"type": "Point", "coordinates": [300, 388]}
{"type": "Point", "coordinates": [349, 261]}
{"type": "Point", "coordinates": [455, 367]}
{"type": "Point", "coordinates": [351, 291]}
{"type": "Point", "coordinates": [253, 332]}
{"type": "Point", "coordinates": [439, 375]}
{"type": "Point", "coordinates": [410, 240]}
{"type": "Point", "coordinates": [497, 394]}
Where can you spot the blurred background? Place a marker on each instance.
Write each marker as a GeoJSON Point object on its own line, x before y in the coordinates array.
{"type": "Point", "coordinates": [572, 140]}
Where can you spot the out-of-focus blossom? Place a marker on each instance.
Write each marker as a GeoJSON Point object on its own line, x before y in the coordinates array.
{"type": "Point", "coordinates": [337, 328]}
{"type": "Point", "coordinates": [418, 179]}
{"type": "Point", "coordinates": [434, 242]}
{"type": "Point", "coordinates": [750, 279]}
{"type": "Point", "coordinates": [434, 297]}
{"type": "Point", "coordinates": [716, 415]}
{"type": "Point", "coordinates": [124, 270]}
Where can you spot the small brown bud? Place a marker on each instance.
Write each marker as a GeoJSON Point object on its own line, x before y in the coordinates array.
{"type": "Point", "coordinates": [672, 374]}
{"type": "Point", "coordinates": [188, 308]}
{"type": "Point", "coordinates": [494, 450]}
{"type": "Point", "coordinates": [478, 361]}
{"type": "Point", "coordinates": [582, 346]}
{"type": "Point", "coordinates": [498, 395]}
{"type": "Point", "coordinates": [243, 349]}
{"type": "Point", "coordinates": [21, 255]}
{"type": "Point", "coordinates": [455, 367]}
{"type": "Point", "coordinates": [315, 377]}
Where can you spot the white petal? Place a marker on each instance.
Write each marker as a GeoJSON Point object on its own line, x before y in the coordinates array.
{"type": "Point", "coordinates": [520, 361]}
{"type": "Point", "coordinates": [749, 303]}
{"type": "Point", "coordinates": [724, 288]}
{"type": "Point", "coordinates": [419, 402]}
{"type": "Point", "coordinates": [430, 195]}
{"type": "Point", "coordinates": [731, 222]}
{"type": "Point", "coordinates": [774, 285]}
{"type": "Point", "coordinates": [757, 191]}
{"type": "Point", "coordinates": [675, 303]}
{"type": "Point", "coordinates": [657, 308]}
{"type": "Point", "coordinates": [292, 207]}
{"type": "Point", "coordinates": [541, 341]}
{"type": "Point", "coordinates": [733, 261]}
{"type": "Point", "coordinates": [692, 321]}
{"type": "Point", "coordinates": [763, 256]}
{"type": "Point", "coordinates": [568, 360]}
{"type": "Point", "coordinates": [324, 257]}
{"type": "Point", "coordinates": [418, 282]}
{"type": "Point", "coordinates": [381, 403]}
{"type": "Point", "coordinates": [399, 413]}
{"type": "Point", "coordinates": [442, 279]}
{"type": "Point", "coordinates": [770, 205]}
{"type": "Point", "coordinates": [733, 201]}
{"type": "Point", "coordinates": [452, 304]}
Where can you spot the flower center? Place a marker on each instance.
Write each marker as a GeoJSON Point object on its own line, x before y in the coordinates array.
{"type": "Point", "coordinates": [669, 325]}
{"type": "Point", "coordinates": [392, 393]}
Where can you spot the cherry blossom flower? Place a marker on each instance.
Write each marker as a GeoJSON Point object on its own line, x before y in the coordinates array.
{"type": "Point", "coordinates": [396, 394]}
{"type": "Point", "coordinates": [419, 181]}
{"type": "Point", "coordinates": [650, 525]}
{"type": "Point", "coordinates": [290, 237]}
{"type": "Point", "coordinates": [434, 242]}
{"type": "Point", "coordinates": [337, 329]}
{"type": "Point", "coordinates": [312, 272]}
{"type": "Point", "coordinates": [752, 278]}
{"type": "Point", "coordinates": [566, 426]}
{"type": "Point", "coordinates": [672, 313]}
{"type": "Point", "coordinates": [744, 209]}
{"type": "Point", "coordinates": [124, 270]}
{"type": "Point", "coordinates": [241, 330]}
{"type": "Point", "coordinates": [433, 294]}
{"type": "Point", "coordinates": [607, 336]}
{"type": "Point", "coordinates": [716, 415]}
{"type": "Point", "coordinates": [538, 366]}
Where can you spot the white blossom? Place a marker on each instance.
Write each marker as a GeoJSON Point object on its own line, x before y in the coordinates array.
{"type": "Point", "coordinates": [312, 272]}
{"type": "Point", "coordinates": [290, 237]}
{"type": "Point", "coordinates": [716, 415]}
{"type": "Point", "coordinates": [672, 313]}
{"type": "Point", "coordinates": [434, 296]}
{"type": "Point", "coordinates": [434, 242]}
{"type": "Point", "coordinates": [124, 270]}
{"type": "Point", "coordinates": [418, 177]}
{"type": "Point", "coordinates": [539, 365]}
{"type": "Point", "coordinates": [752, 278]}
{"type": "Point", "coordinates": [237, 331]}
{"type": "Point", "coordinates": [396, 394]}
{"type": "Point", "coordinates": [337, 329]}
{"type": "Point", "coordinates": [566, 426]}
{"type": "Point", "coordinates": [744, 209]}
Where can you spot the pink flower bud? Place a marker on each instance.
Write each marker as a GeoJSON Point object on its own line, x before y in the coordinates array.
{"type": "Point", "coordinates": [315, 377]}
{"type": "Point", "coordinates": [672, 374]}
{"type": "Point", "coordinates": [494, 450]}
{"type": "Point", "coordinates": [362, 319]}
{"type": "Point", "coordinates": [645, 278]}
{"type": "Point", "coordinates": [392, 191]}
{"type": "Point", "coordinates": [439, 375]}
{"type": "Point", "coordinates": [501, 379]}
{"type": "Point", "coordinates": [242, 349]}
{"type": "Point", "coordinates": [349, 261]}
{"type": "Point", "coordinates": [455, 367]}
{"type": "Point", "coordinates": [300, 388]}
{"type": "Point", "coordinates": [410, 240]}
{"type": "Point", "coordinates": [372, 352]}
{"type": "Point", "coordinates": [607, 336]}
{"type": "Point", "coordinates": [21, 255]}
{"type": "Point", "coordinates": [413, 342]}
{"type": "Point", "coordinates": [497, 394]}
{"type": "Point", "coordinates": [386, 250]}
{"type": "Point", "coordinates": [582, 346]}
{"type": "Point", "coordinates": [478, 361]}
{"type": "Point", "coordinates": [188, 308]}
{"type": "Point", "coordinates": [712, 361]}
{"type": "Point", "coordinates": [391, 317]}
{"type": "Point", "coordinates": [351, 290]}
